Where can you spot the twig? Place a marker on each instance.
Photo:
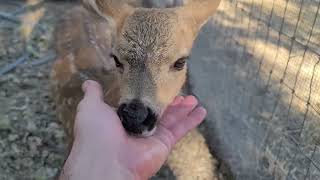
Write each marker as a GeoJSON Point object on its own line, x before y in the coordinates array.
{"type": "Point", "coordinates": [10, 17]}
{"type": "Point", "coordinates": [7, 25]}
{"type": "Point", "coordinates": [31, 50]}
{"type": "Point", "coordinates": [12, 2]}
{"type": "Point", "coordinates": [47, 58]}
{"type": "Point", "coordinates": [27, 7]}
{"type": "Point", "coordinates": [7, 68]}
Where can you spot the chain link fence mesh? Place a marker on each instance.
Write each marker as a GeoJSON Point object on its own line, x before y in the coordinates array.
{"type": "Point", "coordinates": [274, 132]}
{"type": "Point", "coordinates": [277, 44]}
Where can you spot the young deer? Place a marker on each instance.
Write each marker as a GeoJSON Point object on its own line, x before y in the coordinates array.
{"type": "Point", "coordinates": [139, 56]}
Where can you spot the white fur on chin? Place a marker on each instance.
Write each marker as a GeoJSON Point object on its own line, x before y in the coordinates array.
{"type": "Point", "coordinates": [149, 133]}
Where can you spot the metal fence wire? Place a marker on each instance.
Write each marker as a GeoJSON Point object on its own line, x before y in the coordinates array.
{"type": "Point", "coordinates": [281, 39]}
{"type": "Point", "coordinates": [277, 43]}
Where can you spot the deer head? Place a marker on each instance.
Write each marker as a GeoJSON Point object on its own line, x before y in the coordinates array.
{"type": "Point", "coordinates": [151, 51]}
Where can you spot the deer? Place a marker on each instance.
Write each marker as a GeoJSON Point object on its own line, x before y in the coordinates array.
{"type": "Point", "coordinates": [139, 56]}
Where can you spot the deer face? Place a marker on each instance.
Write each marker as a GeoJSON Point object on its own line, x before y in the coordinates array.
{"type": "Point", "coordinates": [151, 51]}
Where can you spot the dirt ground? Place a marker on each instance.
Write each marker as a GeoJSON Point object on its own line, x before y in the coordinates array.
{"type": "Point", "coordinates": [253, 118]}
{"type": "Point", "coordinates": [31, 139]}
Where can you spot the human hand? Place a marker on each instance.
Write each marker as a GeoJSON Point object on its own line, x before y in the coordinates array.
{"type": "Point", "coordinates": [102, 149]}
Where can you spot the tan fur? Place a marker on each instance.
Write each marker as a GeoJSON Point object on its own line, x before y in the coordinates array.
{"type": "Point", "coordinates": [147, 42]}
{"type": "Point", "coordinates": [191, 159]}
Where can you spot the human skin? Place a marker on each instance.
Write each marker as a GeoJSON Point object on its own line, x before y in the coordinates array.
{"type": "Point", "coordinates": [103, 150]}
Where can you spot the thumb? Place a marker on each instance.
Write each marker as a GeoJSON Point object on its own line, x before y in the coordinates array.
{"type": "Point", "coordinates": [92, 91]}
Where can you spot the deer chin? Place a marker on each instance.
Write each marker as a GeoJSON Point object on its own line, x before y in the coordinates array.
{"type": "Point", "coordinates": [148, 133]}
{"type": "Point", "coordinates": [144, 134]}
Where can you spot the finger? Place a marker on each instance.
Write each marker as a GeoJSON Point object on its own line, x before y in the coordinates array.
{"type": "Point", "coordinates": [168, 119]}
{"type": "Point", "coordinates": [177, 100]}
{"type": "Point", "coordinates": [169, 116]}
{"type": "Point", "coordinates": [174, 105]}
{"type": "Point", "coordinates": [186, 106]}
{"type": "Point", "coordinates": [169, 136]}
{"type": "Point", "coordinates": [193, 119]}
{"type": "Point", "coordinates": [176, 112]}
{"type": "Point", "coordinates": [92, 91]}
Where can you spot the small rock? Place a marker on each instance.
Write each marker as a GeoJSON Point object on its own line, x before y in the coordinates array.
{"type": "Point", "coordinates": [15, 149]}
{"type": "Point", "coordinates": [11, 50]}
{"type": "Point", "coordinates": [4, 123]}
{"type": "Point", "coordinates": [51, 172]}
{"type": "Point", "coordinates": [10, 77]}
{"type": "Point", "coordinates": [13, 137]}
{"type": "Point", "coordinates": [53, 126]}
{"type": "Point", "coordinates": [40, 75]}
{"type": "Point", "coordinates": [14, 118]}
{"type": "Point", "coordinates": [16, 80]}
{"type": "Point", "coordinates": [27, 162]}
{"type": "Point", "coordinates": [45, 153]}
{"type": "Point", "coordinates": [43, 173]}
{"type": "Point", "coordinates": [34, 140]}
{"type": "Point", "coordinates": [31, 126]}
{"type": "Point", "coordinates": [59, 134]}
{"type": "Point", "coordinates": [266, 115]}
{"type": "Point", "coordinates": [3, 94]}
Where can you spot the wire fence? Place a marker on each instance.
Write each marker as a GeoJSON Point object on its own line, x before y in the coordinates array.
{"type": "Point", "coordinates": [281, 38]}
{"type": "Point", "coordinates": [278, 42]}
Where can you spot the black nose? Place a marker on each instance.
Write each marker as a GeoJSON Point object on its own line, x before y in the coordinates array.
{"type": "Point", "coordinates": [136, 117]}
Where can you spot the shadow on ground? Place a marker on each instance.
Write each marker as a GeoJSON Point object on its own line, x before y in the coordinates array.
{"type": "Point", "coordinates": [261, 89]}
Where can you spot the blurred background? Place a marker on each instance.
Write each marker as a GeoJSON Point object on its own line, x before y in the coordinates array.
{"type": "Point", "coordinates": [255, 66]}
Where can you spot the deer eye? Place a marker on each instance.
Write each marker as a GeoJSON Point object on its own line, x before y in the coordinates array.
{"type": "Point", "coordinates": [180, 63]}
{"type": "Point", "coordinates": [116, 60]}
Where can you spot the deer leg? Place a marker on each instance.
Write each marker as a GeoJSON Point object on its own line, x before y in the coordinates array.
{"type": "Point", "coordinates": [191, 159]}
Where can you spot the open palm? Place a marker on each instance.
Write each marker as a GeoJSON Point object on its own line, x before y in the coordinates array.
{"type": "Point", "coordinates": [142, 157]}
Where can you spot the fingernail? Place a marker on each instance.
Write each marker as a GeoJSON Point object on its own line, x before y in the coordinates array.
{"type": "Point", "coordinates": [190, 100]}
{"type": "Point", "coordinates": [203, 110]}
{"type": "Point", "coordinates": [177, 100]}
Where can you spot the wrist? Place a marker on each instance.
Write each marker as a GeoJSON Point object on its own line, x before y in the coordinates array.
{"type": "Point", "coordinates": [97, 162]}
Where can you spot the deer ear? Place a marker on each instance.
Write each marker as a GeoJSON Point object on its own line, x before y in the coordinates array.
{"type": "Point", "coordinates": [197, 12]}
{"type": "Point", "coordinates": [116, 10]}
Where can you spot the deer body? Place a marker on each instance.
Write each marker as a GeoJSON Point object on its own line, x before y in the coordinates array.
{"type": "Point", "coordinates": [84, 42]}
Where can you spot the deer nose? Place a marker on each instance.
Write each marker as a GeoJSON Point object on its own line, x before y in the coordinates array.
{"type": "Point", "coordinates": [136, 117]}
